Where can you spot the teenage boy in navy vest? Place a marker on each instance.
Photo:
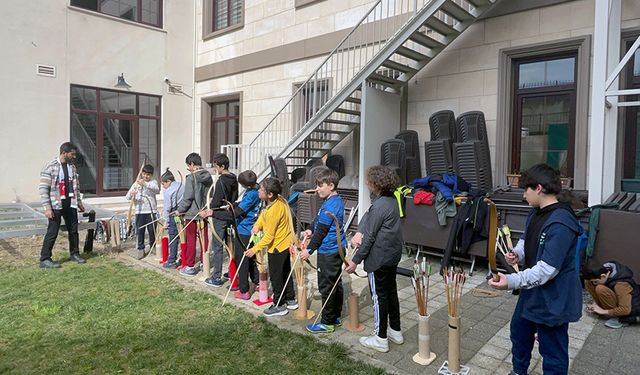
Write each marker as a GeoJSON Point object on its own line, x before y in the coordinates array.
{"type": "Point", "coordinates": [551, 294]}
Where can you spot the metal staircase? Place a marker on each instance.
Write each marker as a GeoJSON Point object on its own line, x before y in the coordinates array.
{"type": "Point", "coordinates": [390, 44]}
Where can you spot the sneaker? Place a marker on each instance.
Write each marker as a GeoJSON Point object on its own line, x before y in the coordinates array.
{"type": "Point", "coordinates": [274, 310]}
{"type": "Point", "coordinates": [140, 254]}
{"type": "Point", "coordinates": [169, 265]}
{"type": "Point", "coordinates": [188, 271]}
{"type": "Point", "coordinates": [338, 322]}
{"type": "Point", "coordinates": [292, 304]}
{"type": "Point", "coordinates": [233, 289]}
{"type": "Point", "coordinates": [48, 263]}
{"type": "Point", "coordinates": [240, 295]}
{"type": "Point", "coordinates": [320, 328]}
{"type": "Point", "coordinates": [376, 343]}
{"type": "Point", "coordinates": [394, 336]}
{"type": "Point", "coordinates": [613, 323]}
{"type": "Point", "coordinates": [225, 275]}
{"type": "Point", "coordinates": [77, 258]}
{"type": "Point", "coordinates": [214, 282]}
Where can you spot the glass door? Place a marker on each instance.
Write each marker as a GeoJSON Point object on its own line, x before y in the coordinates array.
{"type": "Point", "coordinates": [116, 142]}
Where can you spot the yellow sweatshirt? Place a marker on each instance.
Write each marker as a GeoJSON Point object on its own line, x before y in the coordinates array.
{"type": "Point", "coordinates": [275, 223]}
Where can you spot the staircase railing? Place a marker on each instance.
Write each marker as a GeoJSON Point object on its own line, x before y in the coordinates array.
{"type": "Point", "coordinates": [338, 68]}
{"type": "Point", "coordinates": [337, 71]}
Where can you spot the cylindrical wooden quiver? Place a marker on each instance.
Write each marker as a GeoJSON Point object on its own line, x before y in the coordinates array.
{"type": "Point", "coordinates": [424, 355]}
{"type": "Point", "coordinates": [454, 344]}
{"type": "Point", "coordinates": [302, 313]}
{"type": "Point", "coordinates": [353, 325]}
{"type": "Point", "coordinates": [206, 263]}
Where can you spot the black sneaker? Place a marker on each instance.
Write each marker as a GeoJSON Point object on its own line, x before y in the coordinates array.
{"type": "Point", "coordinates": [225, 275]}
{"type": "Point", "coordinates": [48, 263]}
{"type": "Point", "coordinates": [77, 258]}
{"type": "Point", "coordinates": [214, 282]}
{"type": "Point", "coordinates": [170, 265]}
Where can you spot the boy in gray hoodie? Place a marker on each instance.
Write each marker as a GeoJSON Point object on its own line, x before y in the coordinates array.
{"type": "Point", "coordinates": [379, 239]}
{"type": "Point", "coordinates": [193, 201]}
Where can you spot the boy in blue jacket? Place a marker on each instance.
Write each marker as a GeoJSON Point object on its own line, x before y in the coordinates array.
{"type": "Point", "coordinates": [246, 213]}
{"type": "Point", "coordinates": [325, 240]}
{"type": "Point", "coordinates": [551, 294]}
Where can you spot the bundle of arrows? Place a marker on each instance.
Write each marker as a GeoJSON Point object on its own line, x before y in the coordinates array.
{"type": "Point", "coordinates": [454, 280]}
{"type": "Point", "coordinates": [504, 243]}
{"type": "Point", "coordinates": [420, 281]}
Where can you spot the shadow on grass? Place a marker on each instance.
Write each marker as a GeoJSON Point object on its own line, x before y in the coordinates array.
{"type": "Point", "coordinates": [104, 317]}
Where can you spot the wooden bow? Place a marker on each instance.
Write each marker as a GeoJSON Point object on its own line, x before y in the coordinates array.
{"type": "Point", "coordinates": [339, 240]}
{"type": "Point", "coordinates": [492, 241]}
{"type": "Point", "coordinates": [130, 213]}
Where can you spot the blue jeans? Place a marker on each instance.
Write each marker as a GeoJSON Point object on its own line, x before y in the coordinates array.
{"type": "Point", "coordinates": [172, 228]}
{"type": "Point", "coordinates": [553, 343]}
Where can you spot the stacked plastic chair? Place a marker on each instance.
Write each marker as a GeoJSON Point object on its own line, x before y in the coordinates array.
{"type": "Point", "coordinates": [438, 151]}
{"type": "Point", "coordinates": [471, 155]}
{"type": "Point", "coordinates": [393, 155]}
{"type": "Point", "coordinates": [279, 171]}
{"type": "Point", "coordinates": [336, 162]}
{"type": "Point", "coordinates": [412, 151]}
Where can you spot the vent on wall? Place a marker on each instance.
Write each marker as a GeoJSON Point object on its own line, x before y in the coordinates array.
{"type": "Point", "coordinates": [46, 70]}
{"type": "Point", "coordinates": [175, 89]}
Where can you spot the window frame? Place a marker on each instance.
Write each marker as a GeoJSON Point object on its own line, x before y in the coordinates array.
{"type": "Point", "coordinates": [208, 19]}
{"type": "Point", "coordinates": [138, 19]}
{"type": "Point", "coordinates": [135, 118]}
{"type": "Point", "coordinates": [504, 118]}
{"type": "Point", "coordinates": [227, 118]}
{"type": "Point", "coordinates": [521, 93]}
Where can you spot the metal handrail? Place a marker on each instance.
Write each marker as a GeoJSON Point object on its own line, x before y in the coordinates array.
{"type": "Point", "coordinates": [306, 110]}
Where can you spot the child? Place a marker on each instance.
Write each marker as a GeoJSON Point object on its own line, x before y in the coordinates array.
{"type": "Point", "coordinates": [276, 224]}
{"type": "Point", "coordinates": [172, 195]}
{"type": "Point", "coordinates": [325, 240]}
{"type": "Point", "coordinates": [226, 190]}
{"type": "Point", "coordinates": [193, 201]}
{"type": "Point", "coordinates": [551, 294]}
{"type": "Point", "coordinates": [246, 212]}
{"type": "Point", "coordinates": [379, 239]}
{"type": "Point", "coordinates": [614, 292]}
{"type": "Point", "coordinates": [143, 193]}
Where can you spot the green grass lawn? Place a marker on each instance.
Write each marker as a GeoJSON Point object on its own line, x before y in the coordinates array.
{"type": "Point", "coordinates": [105, 317]}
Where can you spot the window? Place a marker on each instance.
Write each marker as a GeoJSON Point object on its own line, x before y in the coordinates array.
{"type": "Point", "coordinates": [221, 16]}
{"type": "Point", "coordinates": [544, 120]}
{"type": "Point", "coordinates": [115, 132]}
{"type": "Point", "coordinates": [143, 11]}
{"type": "Point", "coordinates": [225, 124]}
{"type": "Point", "coordinates": [631, 118]}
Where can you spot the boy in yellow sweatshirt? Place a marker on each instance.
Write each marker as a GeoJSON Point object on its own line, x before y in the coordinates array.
{"type": "Point", "coordinates": [278, 234]}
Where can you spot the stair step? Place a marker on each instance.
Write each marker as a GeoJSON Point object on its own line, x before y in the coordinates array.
{"type": "Point", "coordinates": [333, 131]}
{"type": "Point", "coordinates": [341, 122]}
{"type": "Point", "coordinates": [385, 81]}
{"type": "Point", "coordinates": [320, 140]}
{"type": "Point", "coordinates": [347, 111]}
{"type": "Point", "coordinates": [479, 3]}
{"type": "Point", "coordinates": [426, 41]}
{"type": "Point", "coordinates": [456, 11]}
{"type": "Point", "coordinates": [313, 148]}
{"type": "Point", "coordinates": [400, 67]}
{"type": "Point", "coordinates": [436, 24]}
{"type": "Point", "coordinates": [353, 100]}
{"type": "Point", "coordinates": [412, 54]}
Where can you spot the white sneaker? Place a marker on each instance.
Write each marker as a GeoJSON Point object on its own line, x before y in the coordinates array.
{"type": "Point", "coordinates": [376, 343]}
{"type": "Point", "coordinates": [394, 336]}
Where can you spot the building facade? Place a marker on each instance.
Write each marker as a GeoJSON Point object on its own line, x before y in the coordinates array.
{"type": "Point", "coordinates": [63, 59]}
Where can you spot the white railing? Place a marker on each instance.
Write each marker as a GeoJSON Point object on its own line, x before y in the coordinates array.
{"type": "Point", "coordinates": [361, 44]}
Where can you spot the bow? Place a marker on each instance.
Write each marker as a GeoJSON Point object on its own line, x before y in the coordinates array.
{"type": "Point", "coordinates": [339, 240]}
{"type": "Point", "coordinates": [130, 213]}
{"type": "Point", "coordinates": [492, 241]}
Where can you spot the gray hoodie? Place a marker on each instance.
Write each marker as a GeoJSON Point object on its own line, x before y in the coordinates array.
{"type": "Point", "coordinates": [381, 235]}
{"type": "Point", "coordinates": [195, 190]}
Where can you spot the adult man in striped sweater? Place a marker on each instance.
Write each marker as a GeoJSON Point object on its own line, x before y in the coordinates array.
{"type": "Point", "coordinates": [60, 198]}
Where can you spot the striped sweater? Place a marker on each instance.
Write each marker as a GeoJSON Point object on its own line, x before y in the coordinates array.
{"type": "Point", "coordinates": [49, 186]}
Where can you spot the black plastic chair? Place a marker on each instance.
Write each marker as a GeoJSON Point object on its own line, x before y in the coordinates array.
{"type": "Point", "coordinates": [392, 155]}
